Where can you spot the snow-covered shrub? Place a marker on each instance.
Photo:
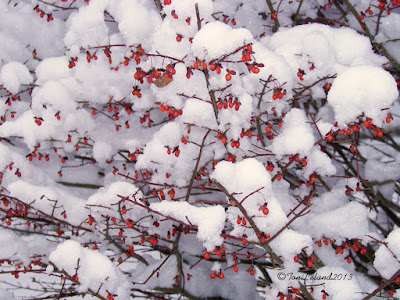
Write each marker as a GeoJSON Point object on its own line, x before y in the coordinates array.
{"type": "Point", "coordinates": [199, 149]}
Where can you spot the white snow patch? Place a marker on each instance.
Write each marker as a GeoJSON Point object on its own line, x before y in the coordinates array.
{"type": "Point", "coordinates": [346, 288]}
{"type": "Point", "coordinates": [95, 270]}
{"type": "Point", "coordinates": [349, 221]}
{"type": "Point", "coordinates": [385, 263]}
{"type": "Point", "coordinates": [199, 113]}
{"type": "Point", "coordinates": [296, 135]}
{"type": "Point", "coordinates": [14, 74]}
{"type": "Point", "coordinates": [362, 89]}
{"type": "Point", "coordinates": [210, 220]}
{"type": "Point", "coordinates": [102, 151]}
{"type": "Point", "coordinates": [216, 39]}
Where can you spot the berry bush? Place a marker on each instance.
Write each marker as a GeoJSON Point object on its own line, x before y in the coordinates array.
{"type": "Point", "coordinates": [211, 149]}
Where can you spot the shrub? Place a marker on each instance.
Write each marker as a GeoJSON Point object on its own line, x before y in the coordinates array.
{"type": "Point", "coordinates": [210, 149]}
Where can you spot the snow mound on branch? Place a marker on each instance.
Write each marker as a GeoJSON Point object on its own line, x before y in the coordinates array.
{"type": "Point", "coordinates": [52, 68]}
{"type": "Point", "coordinates": [324, 46]}
{"type": "Point", "coordinates": [186, 9]}
{"type": "Point", "coordinates": [362, 89]}
{"type": "Point", "coordinates": [102, 151]}
{"type": "Point", "coordinates": [296, 135]}
{"type": "Point", "coordinates": [162, 37]}
{"type": "Point", "coordinates": [344, 288]}
{"type": "Point", "coordinates": [22, 31]}
{"type": "Point", "coordinates": [216, 39]}
{"type": "Point", "coordinates": [26, 127]}
{"type": "Point", "coordinates": [289, 243]}
{"type": "Point", "coordinates": [385, 263]}
{"type": "Point", "coordinates": [373, 170]}
{"type": "Point", "coordinates": [348, 222]}
{"type": "Point", "coordinates": [155, 156]}
{"type": "Point", "coordinates": [87, 27]}
{"type": "Point", "coordinates": [242, 177]}
{"type": "Point", "coordinates": [94, 269]}
{"type": "Point", "coordinates": [210, 220]}
{"type": "Point", "coordinates": [44, 198]}
{"type": "Point", "coordinates": [237, 120]}
{"type": "Point", "coordinates": [107, 198]}
{"type": "Point", "coordinates": [133, 19]}
{"type": "Point", "coordinates": [53, 94]}
{"type": "Point", "coordinates": [6, 295]}
{"type": "Point", "coordinates": [14, 74]}
{"type": "Point", "coordinates": [319, 162]}
{"type": "Point", "coordinates": [15, 250]}
{"type": "Point", "coordinates": [199, 113]}
{"type": "Point", "coordinates": [250, 184]}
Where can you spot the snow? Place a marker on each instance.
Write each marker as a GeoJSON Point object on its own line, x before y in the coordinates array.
{"type": "Point", "coordinates": [290, 243]}
{"type": "Point", "coordinates": [44, 198]}
{"type": "Point", "coordinates": [16, 250]}
{"type": "Point", "coordinates": [362, 89]}
{"type": "Point", "coordinates": [199, 113]}
{"type": "Point", "coordinates": [216, 39]}
{"type": "Point", "coordinates": [373, 170]}
{"type": "Point", "coordinates": [88, 101]}
{"type": "Point", "coordinates": [186, 8]}
{"type": "Point", "coordinates": [237, 120]}
{"type": "Point", "coordinates": [210, 220]}
{"type": "Point", "coordinates": [13, 74]}
{"type": "Point", "coordinates": [102, 151]}
{"type": "Point", "coordinates": [319, 162]}
{"type": "Point", "coordinates": [243, 177]}
{"type": "Point", "coordinates": [251, 186]}
{"type": "Point", "coordinates": [345, 288]}
{"type": "Point", "coordinates": [108, 196]}
{"type": "Point", "coordinates": [94, 270]}
{"type": "Point", "coordinates": [20, 26]}
{"type": "Point", "coordinates": [6, 295]}
{"type": "Point", "coordinates": [389, 25]}
{"type": "Point", "coordinates": [386, 257]}
{"type": "Point", "coordinates": [296, 135]}
{"type": "Point", "coordinates": [26, 127]}
{"type": "Point", "coordinates": [165, 33]}
{"type": "Point", "coordinates": [326, 47]}
{"type": "Point", "coordinates": [133, 20]}
{"type": "Point", "coordinates": [53, 68]}
{"type": "Point", "coordinates": [348, 221]}
{"type": "Point", "coordinates": [86, 27]}
{"type": "Point", "coordinates": [56, 95]}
